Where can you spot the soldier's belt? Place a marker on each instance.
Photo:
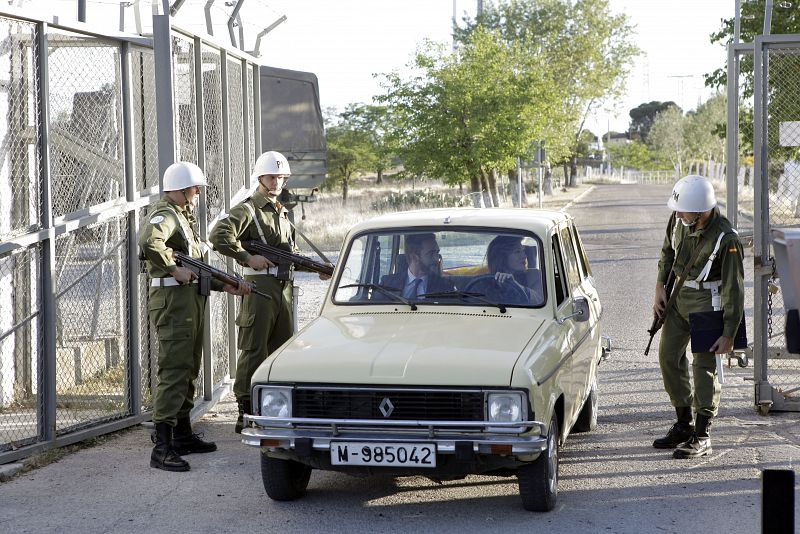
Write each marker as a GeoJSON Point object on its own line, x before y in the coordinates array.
{"type": "Point", "coordinates": [167, 281]}
{"type": "Point", "coordinates": [694, 284]}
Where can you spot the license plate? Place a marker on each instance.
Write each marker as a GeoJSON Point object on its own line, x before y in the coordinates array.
{"type": "Point", "coordinates": [383, 454]}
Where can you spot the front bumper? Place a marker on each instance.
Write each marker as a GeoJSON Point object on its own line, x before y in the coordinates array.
{"type": "Point", "coordinates": [450, 437]}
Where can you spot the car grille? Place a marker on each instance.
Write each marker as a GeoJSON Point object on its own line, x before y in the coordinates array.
{"type": "Point", "coordinates": [430, 405]}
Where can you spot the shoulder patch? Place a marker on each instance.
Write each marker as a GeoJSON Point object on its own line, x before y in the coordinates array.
{"type": "Point", "coordinates": [732, 248]}
{"type": "Point", "coordinates": [158, 219]}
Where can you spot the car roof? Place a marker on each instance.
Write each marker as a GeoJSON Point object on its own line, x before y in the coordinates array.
{"type": "Point", "coordinates": [537, 220]}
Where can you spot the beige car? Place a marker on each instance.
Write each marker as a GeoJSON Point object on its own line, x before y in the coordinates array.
{"type": "Point", "coordinates": [484, 367]}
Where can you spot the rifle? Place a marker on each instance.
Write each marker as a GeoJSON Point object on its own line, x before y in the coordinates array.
{"type": "Point", "coordinates": [205, 272]}
{"type": "Point", "coordinates": [658, 320]}
{"type": "Point", "coordinates": [283, 257]}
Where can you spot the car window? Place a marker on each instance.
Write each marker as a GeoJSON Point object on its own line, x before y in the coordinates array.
{"type": "Point", "coordinates": [495, 266]}
{"type": "Point", "coordinates": [558, 272]}
{"type": "Point", "coordinates": [570, 261]}
{"type": "Point", "coordinates": [583, 260]}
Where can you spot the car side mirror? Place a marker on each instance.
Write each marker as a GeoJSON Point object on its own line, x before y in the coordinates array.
{"type": "Point", "coordinates": [580, 311]}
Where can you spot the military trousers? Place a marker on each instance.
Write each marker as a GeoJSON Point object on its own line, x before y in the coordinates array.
{"type": "Point", "coordinates": [177, 314]}
{"type": "Point", "coordinates": [264, 325]}
{"type": "Point", "coordinates": [675, 364]}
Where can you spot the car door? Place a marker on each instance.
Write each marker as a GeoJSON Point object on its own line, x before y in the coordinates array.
{"type": "Point", "coordinates": [581, 331]}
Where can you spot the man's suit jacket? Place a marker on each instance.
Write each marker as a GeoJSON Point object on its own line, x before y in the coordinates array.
{"type": "Point", "coordinates": [435, 283]}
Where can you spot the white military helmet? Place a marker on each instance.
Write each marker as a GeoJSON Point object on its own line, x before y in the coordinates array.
{"type": "Point", "coordinates": [692, 194]}
{"type": "Point", "coordinates": [181, 175]}
{"type": "Point", "coordinates": [270, 163]}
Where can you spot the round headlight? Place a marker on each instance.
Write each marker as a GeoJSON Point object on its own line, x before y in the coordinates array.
{"type": "Point", "coordinates": [504, 408]}
{"type": "Point", "coordinates": [275, 404]}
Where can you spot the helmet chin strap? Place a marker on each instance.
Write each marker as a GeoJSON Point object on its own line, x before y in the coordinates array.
{"type": "Point", "coordinates": [692, 223]}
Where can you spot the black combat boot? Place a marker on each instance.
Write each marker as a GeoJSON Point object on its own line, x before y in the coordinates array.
{"type": "Point", "coordinates": [680, 431]}
{"type": "Point", "coordinates": [244, 408]}
{"type": "Point", "coordinates": [163, 455]}
{"type": "Point", "coordinates": [700, 442]}
{"type": "Point", "coordinates": [184, 441]}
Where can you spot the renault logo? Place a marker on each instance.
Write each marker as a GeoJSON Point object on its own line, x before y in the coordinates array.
{"type": "Point", "coordinates": [386, 407]}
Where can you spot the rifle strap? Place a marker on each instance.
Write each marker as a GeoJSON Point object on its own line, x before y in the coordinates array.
{"type": "Point", "coordinates": [680, 280]}
{"type": "Point", "coordinates": [310, 244]}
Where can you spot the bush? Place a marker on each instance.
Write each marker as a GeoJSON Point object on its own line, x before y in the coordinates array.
{"type": "Point", "coordinates": [419, 199]}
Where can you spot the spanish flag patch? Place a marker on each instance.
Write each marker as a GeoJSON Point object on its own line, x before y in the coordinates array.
{"type": "Point", "coordinates": [732, 249]}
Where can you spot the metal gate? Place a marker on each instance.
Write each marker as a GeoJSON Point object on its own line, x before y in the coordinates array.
{"type": "Point", "coordinates": [91, 118]}
{"type": "Point", "coordinates": [776, 138]}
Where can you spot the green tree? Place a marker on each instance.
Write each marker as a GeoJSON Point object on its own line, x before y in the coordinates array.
{"type": "Point", "coordinates": [350, 151]}
{"type": "Point", "coordinates": [783, 88]}
{"type": "Point", "coordinates": [588, 52]}
{"type": "Point", "coordinates": [642, 117]}
{"type": "Point", "coordinates": [666, 137]}
{"type": "Point", "coordinates": [373, 121]}
{"type": "Point", "coordinates": [702, 130]}
{"type": "Point", "coordinates": [633, 155]}
{"type": "Point", "coordinates": [462, 114]}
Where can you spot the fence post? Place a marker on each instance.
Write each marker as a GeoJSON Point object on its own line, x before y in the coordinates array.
{"type": "Point", "coordinates": [134, 371]}
{"type": "Point", "coordinates": [47, 350]}
{"type": "Point", "coordinates": [165, 113]}
{"type": "Point", "coordinates": [227, 194]}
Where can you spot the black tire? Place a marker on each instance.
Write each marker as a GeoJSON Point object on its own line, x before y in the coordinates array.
{"type": "Point", "coordinates": [284, 480]}
{"type": "Point", "coordinates": [587, 419]}
{"type": "Point", "coordinates": [538, 481]}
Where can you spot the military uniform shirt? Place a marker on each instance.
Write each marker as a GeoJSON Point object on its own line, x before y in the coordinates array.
{"type": "Point", "coordinates": [727, 266]}
{"type": "Point", "coordinates": [271, 218]}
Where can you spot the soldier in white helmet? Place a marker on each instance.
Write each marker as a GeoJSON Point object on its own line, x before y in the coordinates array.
{"type": "Point", "coordinates": [176, 310]}
{"type": "Point", "coordinates": [264, 324]}
{"type": "Point", "coordinates": [714, 280]}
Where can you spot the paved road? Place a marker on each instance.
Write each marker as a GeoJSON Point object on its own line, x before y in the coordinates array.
{"type": "Point", "coordinates": [612, 480]}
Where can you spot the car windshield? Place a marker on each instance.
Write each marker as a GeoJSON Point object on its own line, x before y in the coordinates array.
{"type": "Point", "coordinates": [477, 267]}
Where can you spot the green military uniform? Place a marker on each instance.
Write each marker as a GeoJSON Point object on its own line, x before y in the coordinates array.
{"type": "Point", "coordinates": [264, 324]}
{"type": "Point", "coordinates": [176, 311]}
{"type": "Point", "coordinates": [727, 266]}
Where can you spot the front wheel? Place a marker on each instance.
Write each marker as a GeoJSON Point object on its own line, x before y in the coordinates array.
{"type": "Point", "coordinates": [284, 480]}
{"type": "Point", "coordinates": [538, 481]}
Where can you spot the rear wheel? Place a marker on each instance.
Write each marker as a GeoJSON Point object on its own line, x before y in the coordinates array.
{"type": "Point", "coordinates": [284, 480]}
{"type": "Point", "coordinates": [587, 419]}
{"type": "Point", "coordinates": [538, 481]}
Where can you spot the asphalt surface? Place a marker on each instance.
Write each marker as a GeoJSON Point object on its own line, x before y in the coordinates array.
{"type": "Point", "coordinates": [611, 479]}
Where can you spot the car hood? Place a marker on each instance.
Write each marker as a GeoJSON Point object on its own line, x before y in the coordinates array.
{"type": "Point", "coordinates": [406, 348]}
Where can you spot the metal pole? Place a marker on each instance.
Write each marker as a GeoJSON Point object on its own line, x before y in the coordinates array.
{"type": "Point", "coordinates": [257, 108]}
{"type": "Point", "coordinates": [519, 183]}
{"type": "Point", "coordinates": [122, 17]}
{"type": "Point", "coordinates": [165, 116]}
{"type": "Point", "coordinates": [207, 10]}
{"type": "Point", "coordinates": [232, 18]}
{"type": "Point", "coordinates": [176, 6]}
{"type": "Point", "coordinates": [202, 215]}
{"type": "Point", "coordinates": [737, 22]}
{"type": "Point", "coordinates": [767, 17]}
{"type": "Point", "coordinates": [47, 350]}
{"type": "Point", "coordinates": [760, 243]}
{"type": "Point", "coordinates": [226, 188]}
{"type": "Point", "coordinates": [265, 31]}
{"type": "Point", "coordinates": [134, 375]}
{"type": "Point", "coordinates": [732, 140]}
{"type": "Point", "coordinates": [82, 10]}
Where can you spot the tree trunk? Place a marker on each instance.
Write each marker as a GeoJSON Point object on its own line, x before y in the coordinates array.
{"type": "Point", "coordinates": [475, 186]}
{"type": "Point", "coordinates": [573, 172]}
{"type": "Point", "coordinates": [547, 181]}
{"type": "Point", "coordinates": [513, 179]}
{"type": "Point", "coordinates": [487, 196]}
{"type": "Point", "coordinates": [492, 178]}
{"type": "Point", "coordinates": [379, 180]}
{"type": "Point", "coordinates": [345, 188]}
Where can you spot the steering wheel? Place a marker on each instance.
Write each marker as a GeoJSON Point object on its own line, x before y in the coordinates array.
{"type": "Point", "coordinates": [509, 292]}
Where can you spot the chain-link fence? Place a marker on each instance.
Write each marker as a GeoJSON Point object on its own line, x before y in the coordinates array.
{"type": "Point", "coordinates": [81, 149]}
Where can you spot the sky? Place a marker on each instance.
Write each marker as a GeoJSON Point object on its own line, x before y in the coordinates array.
{"type": "Point", "coordinates": [346, 42]}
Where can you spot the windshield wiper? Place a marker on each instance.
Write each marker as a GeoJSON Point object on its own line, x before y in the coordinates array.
{"type": "Point", "coordinates": [385, 290]}
{"type": "Point", "coordinates": [463, 295]}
